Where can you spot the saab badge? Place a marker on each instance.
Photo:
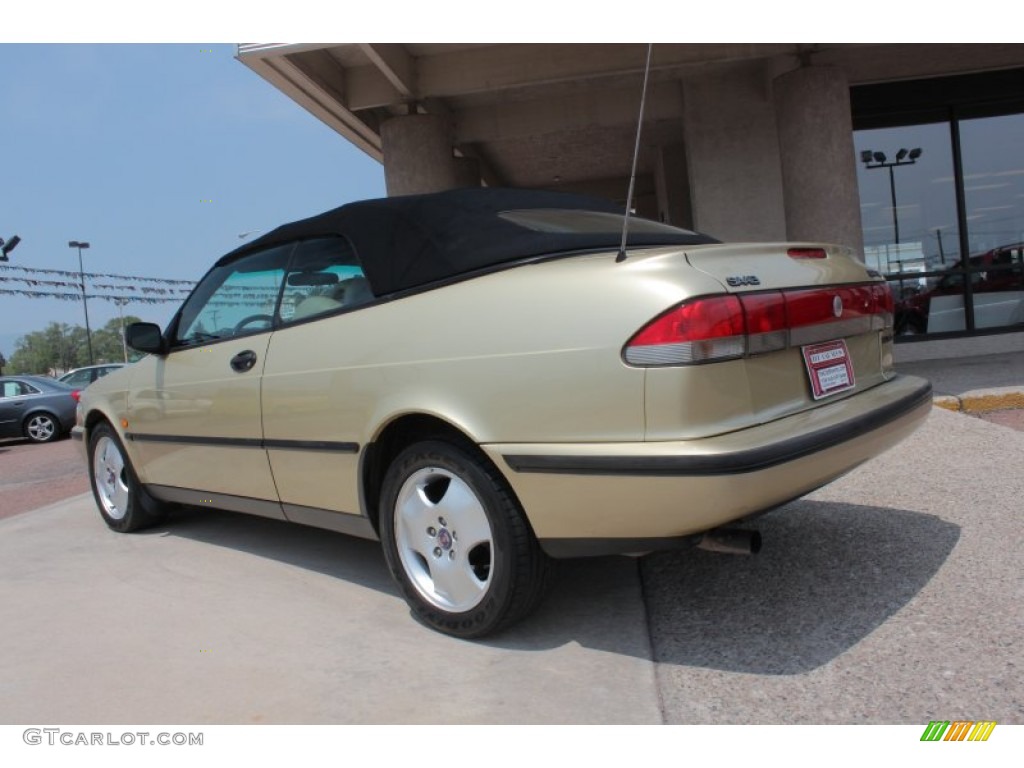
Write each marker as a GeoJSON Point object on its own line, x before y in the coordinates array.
{"type": "Point", "coordinates": [737, 281]}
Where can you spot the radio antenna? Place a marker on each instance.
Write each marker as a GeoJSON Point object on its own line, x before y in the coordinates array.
{"type": "Point", "coordinates": [636, 155]}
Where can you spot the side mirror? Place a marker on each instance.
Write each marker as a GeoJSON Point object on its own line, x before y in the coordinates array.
{"type": "Point", "coordinates": [145, 337]}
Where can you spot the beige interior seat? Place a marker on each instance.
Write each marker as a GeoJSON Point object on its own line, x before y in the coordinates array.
{"type": "Point", "coordinates": [315, 305]}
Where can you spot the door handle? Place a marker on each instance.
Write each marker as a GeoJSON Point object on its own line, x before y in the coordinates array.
{"type": "Point", "coordinates": [243, 361]}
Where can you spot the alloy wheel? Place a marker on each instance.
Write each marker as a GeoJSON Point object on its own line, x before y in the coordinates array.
{"type": "Point", "coordinates": [444, 539]}
{"type": "Point", "coordinates": [108, 477]}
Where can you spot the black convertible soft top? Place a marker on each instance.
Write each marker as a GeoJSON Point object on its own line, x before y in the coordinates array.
{"type": "Point", "coordinates": [410, 241]}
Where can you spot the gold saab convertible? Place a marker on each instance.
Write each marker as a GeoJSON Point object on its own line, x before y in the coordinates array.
{"type": "Point", "coordinates": [486, 379]}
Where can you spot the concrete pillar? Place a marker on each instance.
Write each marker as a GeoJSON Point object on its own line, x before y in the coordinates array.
{"type": "Point", "coordinates": [732, 154]}
{"type": "Point", "coordinates": [819, 169]}
{"type": "Point", "coordinates": [418, 156]}
{"type": "Point", "coordinates": [672, 184]}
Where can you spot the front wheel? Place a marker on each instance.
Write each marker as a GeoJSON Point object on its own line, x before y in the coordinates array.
{"type": "Point", "coordinates": [123, 502]}
{"type": "Point", "coordinates": [457, 542]}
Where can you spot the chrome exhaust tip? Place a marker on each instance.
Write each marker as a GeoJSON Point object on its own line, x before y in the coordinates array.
{"type": "Point", "coordinates": [731, 541]}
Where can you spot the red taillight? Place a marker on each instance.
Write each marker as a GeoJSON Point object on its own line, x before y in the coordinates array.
{"type": "Point", "coordinates": [735, 325]}
{"type": "Point", "coordinates": [699, 330]}
{"type": "Point", "coordinates": [77, 395]}
{"type": "Point", "coordinates": [765, 315]}
{"type": "Point", "coordinates": [810, 307]}
{"type": "Point", "coordinates": [806, 253]}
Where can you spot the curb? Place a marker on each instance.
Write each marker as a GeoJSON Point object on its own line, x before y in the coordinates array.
{"type": "Point", "coordinates": [982, 401]}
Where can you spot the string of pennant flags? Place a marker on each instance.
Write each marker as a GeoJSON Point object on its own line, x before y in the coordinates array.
{"type": "Point", "coordinates": [123, 293]}
{"type": "Point", "coordinates": [92, 275]}
{"type": "Point", "coordinates": [37, 287]}
{"type": "Point", "coordinates": [249, 301]}
{"type": "Point", "coordinates": [78, 296]}
{"type": "Point", "coordinates": [102, 286]}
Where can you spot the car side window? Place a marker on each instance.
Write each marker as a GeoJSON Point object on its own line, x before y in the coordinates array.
{"type": "Point", "coordinates": [17, 388]}
{"type": "Point", "coordinates": [81, 378]}
{"type": "Point", "coordinates": [324, 276]}
{"type": "Point", "coordinates": [235, 298]}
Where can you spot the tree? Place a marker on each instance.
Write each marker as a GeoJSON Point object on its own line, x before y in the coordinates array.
{"type": "Point", "coordinates": [54, 348]}
{"type": "Point", "coordinates": [107, 345]}
{"type": "Point", "coordinates": [60, 347]}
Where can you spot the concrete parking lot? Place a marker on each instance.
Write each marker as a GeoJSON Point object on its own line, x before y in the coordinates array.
{"type": "Point", "coordinates": [892, 596]}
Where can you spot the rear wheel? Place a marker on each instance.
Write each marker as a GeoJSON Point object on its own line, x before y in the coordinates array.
{"type": "Point", "coordinates": [457, 542]}
{"type": "Point", "coordinates": [123, 502]}
{"type": "Point", "coordinates": [42, 428]}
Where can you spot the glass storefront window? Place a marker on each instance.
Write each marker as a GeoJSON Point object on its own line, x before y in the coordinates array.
{"type": "Point", "coordinates": [993, 163]}
{"type": "Point", "coordinates": [940, 166]}
{"type": "Point", "coordinates": [909, 218]}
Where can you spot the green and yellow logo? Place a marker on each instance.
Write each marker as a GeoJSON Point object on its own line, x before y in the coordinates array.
{"type": "Point", "coordinates": [958, 730]}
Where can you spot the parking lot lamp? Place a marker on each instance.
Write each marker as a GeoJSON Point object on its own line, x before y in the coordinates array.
{"type": "Point", "coordinates": [873, 160]}
{"type": "Point", "coordinates": [85, 304]}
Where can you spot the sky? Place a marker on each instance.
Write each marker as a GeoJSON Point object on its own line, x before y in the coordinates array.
{"type": "Point", "coordinates": [159, 156]}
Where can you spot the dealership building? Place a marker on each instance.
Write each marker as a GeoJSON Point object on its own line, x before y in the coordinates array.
{"type": "Point", "coordinates": [913, 153]}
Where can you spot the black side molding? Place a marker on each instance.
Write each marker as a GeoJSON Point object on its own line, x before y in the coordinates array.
{"type": "Point", "coordinates": [246, 442]}
{"type": "Point", "coordinates": [736, 463]}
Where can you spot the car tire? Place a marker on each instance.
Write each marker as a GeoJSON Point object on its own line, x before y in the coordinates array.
{"type": "Point", "coordinates": [123, 502]}
{"type": "Point", "coordinates": [457, 542]}
{"type": "Point", "coordinates": [41, 427]}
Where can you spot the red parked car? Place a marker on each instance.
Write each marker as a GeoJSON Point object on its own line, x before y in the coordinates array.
{"type": "Point", "coordinates": [999, 271]}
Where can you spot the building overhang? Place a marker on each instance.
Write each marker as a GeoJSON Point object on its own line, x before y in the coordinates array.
{"type": "Point", "coordinates": [561, 115]}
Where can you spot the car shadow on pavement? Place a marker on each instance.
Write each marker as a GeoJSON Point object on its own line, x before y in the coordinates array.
{"type": "Point", "coordinates": [355, 560]}
{"type": "Point", "coordinates": [829, 574]}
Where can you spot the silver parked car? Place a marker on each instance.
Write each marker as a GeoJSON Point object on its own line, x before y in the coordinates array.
{"type": "Point", "coordinates": [38, 408]}
{"type": "Point", "coordinates": [83, 377]}
{"type": "Point", "coordinates": [483, 381]}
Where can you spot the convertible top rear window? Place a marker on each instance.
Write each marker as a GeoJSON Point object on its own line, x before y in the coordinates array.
{"type": "Point", "coordinates": [414, 240]}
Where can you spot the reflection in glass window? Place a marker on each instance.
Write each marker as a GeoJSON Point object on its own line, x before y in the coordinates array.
{"type": "Point", "coordinates": [908, 202]}
{"type": "Point", "coordinates": [948, 228]}
{"type": "Point", "coordinates": [909, 219]}
{"type": "Point", "coordinates": [235, 298]}
{"type": "Point", "coordinates": [993, 162]}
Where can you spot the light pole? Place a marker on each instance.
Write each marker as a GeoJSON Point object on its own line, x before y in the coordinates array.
{"type": "Point", "coordinates": [85, 304]}
{"type": "Point", "coordinates": [903, 157]}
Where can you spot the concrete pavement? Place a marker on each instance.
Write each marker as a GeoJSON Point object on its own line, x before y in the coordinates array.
{"type": "Point", "coordinates": [222, 618]}
{"type": "Point", "coordinates": [974, 384]}
{"type": "Point", "coordinates": [894, 595]}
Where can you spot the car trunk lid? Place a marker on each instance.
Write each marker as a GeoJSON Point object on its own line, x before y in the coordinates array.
{"type": "Point", "coordinates": [814, 326]}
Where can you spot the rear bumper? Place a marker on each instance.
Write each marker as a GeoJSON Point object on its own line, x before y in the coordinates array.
{"type": "Point", "coordinates": [619, 497]}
